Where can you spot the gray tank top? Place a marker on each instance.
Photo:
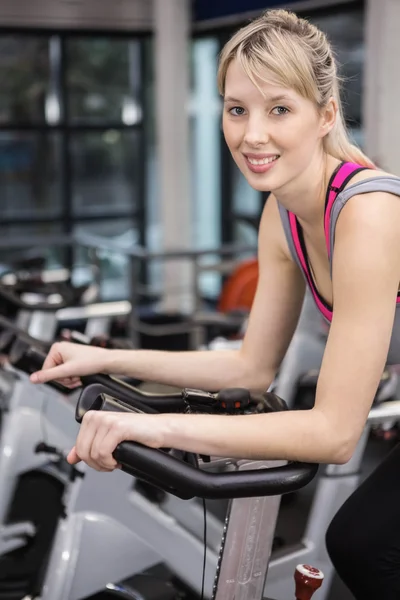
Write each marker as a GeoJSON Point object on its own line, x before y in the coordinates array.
{"type": "Point", "coordinates": [336, 198]}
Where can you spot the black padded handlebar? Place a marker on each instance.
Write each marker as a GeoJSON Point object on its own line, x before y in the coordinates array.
{"type": "Point", "coordinates": [69, 295]}
{"type": "Point", "coordinates": [186, 481]}
{"type": "Point", "coordinates": [183, 480]}
{"type": "Point", "coordinates": [172, 402]}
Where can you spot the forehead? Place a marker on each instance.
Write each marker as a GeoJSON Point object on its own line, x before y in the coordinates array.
{"type": "Point", "coordinates": [238, 84]}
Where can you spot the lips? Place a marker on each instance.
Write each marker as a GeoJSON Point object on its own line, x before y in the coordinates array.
{"type": "Point", "coordinates": [261, 163]}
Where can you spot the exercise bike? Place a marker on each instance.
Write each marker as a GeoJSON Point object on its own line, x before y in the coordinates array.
{"type": "Point", "coordinates": [77, 544]}
{"type": "Point", "coordinates": [335, 484]}
{"type": "Point", "coordinates": [255, 487]}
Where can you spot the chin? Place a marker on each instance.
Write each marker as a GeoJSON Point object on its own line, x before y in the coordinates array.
{"type": "Point", "coordinates": [262, 183]}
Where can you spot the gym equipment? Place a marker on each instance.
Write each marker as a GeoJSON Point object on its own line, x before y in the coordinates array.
{"type": "Point", "coordinates": [31, 483]}
{"type": "Point", "coordinates": [35, 422]}
{"type": "Point", "coordinates": [46, 301]}
{"type": "Point", "coordinates": [37, 297]}
{"type": "Point", "coordinates": [139, 533]}
{"type": "Point", "coordinates": [24, 431]}
{"type": "Point", "coordinates": [255, 487]}
{"type": "Point", "coordinates": [334, 485]}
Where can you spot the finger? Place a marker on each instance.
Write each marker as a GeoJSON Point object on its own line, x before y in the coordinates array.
{"type": "Point", "coordinates": [53, 358]}
{"type": "Point", "coordinates": [75, 384]}
{"type": "Point", "coordinates": [109, 443]}
{"type": "Point", "coordinates": [70, 382]}
{"type": "Point", "coordinates": [45, 375]}
{"type": "Point", "coordinates": [86, 436]}
{"type": "Point", "coordinates": [73, 457]}
{"type": "Point", "coordinates": [99, 452]}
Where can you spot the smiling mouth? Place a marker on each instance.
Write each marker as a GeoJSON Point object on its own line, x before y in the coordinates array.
{"type": "Point", "coordinates": [262, 161]}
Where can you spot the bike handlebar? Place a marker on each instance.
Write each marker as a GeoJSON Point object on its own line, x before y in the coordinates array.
{"type": "Point", "coordinates": [156, 466]}
{"type": "Point", "coordinates": [177, 477]}
{"type": "Point", "coordinates": [68, 295]}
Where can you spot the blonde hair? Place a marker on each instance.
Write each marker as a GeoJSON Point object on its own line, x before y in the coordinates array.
{"type": "Point", "coordinates": [297, 55]}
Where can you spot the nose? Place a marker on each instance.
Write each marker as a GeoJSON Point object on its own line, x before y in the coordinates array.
{"type": "Point", "coordinates": [256, 133]}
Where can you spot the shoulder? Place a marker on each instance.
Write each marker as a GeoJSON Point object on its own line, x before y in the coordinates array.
{"type": "Point", "coordinates": [375, 209]}
{"type": "Point", "coordinates": [367, 237]}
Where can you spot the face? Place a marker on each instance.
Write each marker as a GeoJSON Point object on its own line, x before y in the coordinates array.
{"type": "Point", "coordinates": [274, 136]}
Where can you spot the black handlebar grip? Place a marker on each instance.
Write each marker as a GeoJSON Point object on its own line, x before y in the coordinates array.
{"type": "Point", "coordinates": [171, 402]}
{"type": "Point", "coordinates": [183, 480]}
{"type": "Point", "coordinates": [96, 396]}
{"type": "Point", "coordinates": [11, 296]}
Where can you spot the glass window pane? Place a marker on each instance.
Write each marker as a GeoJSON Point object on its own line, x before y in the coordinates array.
{"type": "Point", "coordinates": [115, 284]}
{"type": "Point", "coordinates": [103, 80]}
{"type": "Point", "coordinates": [24, 76]}
{"type": "Point", "coordinates": [345, 31]}
{"type": "Point", "coordinates": [30, 177]}
{"type": "Point", "coordinates": [104, 173]}
{"type": "Point", "coordinates": [205, 143]}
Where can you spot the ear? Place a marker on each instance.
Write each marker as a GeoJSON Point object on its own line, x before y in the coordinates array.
{"type": "Point", "coordinates": [328, 116]}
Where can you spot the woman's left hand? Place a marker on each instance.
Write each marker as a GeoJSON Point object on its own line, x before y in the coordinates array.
{"type": "Point", "coordinates": [101, 432]}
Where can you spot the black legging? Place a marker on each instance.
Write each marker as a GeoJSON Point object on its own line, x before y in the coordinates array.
{"type": "Point", "coordinates": [363, 539]}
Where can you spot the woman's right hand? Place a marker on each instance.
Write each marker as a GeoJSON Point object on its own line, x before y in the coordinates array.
{"type": "Point", "coordinates": [67, 362]}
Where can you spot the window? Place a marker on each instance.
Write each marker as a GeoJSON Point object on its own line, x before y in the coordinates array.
{"type": "Point", "coordinates": [345, 31]}
{"type": "Point", "coordinates": [103, 81]}
{"type": "Point", "coordinates": [30, 175]}
{"type": "Point", "coordinates": [25, 78]}
{"type": "Point", "coordinates": [71, 142]}
{"type": "Point", "coordinates": [104, 172]}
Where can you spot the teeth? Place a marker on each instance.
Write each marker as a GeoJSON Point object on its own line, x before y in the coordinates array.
{"type": "Point", "coordinates": [263, 161]}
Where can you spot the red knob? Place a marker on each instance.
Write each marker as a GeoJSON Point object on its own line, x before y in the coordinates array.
{"type": "Point", "coordinates": [308, 580]}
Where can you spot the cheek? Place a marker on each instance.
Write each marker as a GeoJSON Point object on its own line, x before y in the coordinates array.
{"type": "Point", "coordinates": [232, 133]}
{"type": "Point", "coordinates": [299, 135]}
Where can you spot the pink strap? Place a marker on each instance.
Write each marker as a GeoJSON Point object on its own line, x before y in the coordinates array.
{"type": "Point", "coordinates": [343, 173]}
{"type": "Point", "coordinates": [292, 220]}
{"type": "Point", "coordinates": [340, 177]}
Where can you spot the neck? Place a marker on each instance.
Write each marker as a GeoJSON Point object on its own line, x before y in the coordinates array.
{"type": "Point", "coordinates": [305, 195]}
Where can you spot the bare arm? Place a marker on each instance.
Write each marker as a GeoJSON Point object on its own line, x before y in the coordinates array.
{"type": "Point", "coordinates": [365, 282]}
{"type": "Point", "coordinates": [273, 318]}
{"type": "Point", "coordinates": [274, 315]}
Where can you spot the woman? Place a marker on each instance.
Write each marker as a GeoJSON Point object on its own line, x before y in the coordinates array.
{"type": "Point", "coordinates": [332, 222]}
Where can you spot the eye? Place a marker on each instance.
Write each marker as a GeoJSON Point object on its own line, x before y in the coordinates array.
{"type": "Point", "coordinates": [239, 111]}
{"type": "Point", "coordinates": [280, 110]}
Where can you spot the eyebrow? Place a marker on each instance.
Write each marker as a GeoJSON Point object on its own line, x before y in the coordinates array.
{"type": "Point", "coordinates": [271, 99]}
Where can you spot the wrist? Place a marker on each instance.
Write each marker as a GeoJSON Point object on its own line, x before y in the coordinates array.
{"type": "Point", "coordinates": [163, 433]}
{"type": "Point", "coordinates": [168, 431]}
{"type": "Point", "coordinates": [112, 362]}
